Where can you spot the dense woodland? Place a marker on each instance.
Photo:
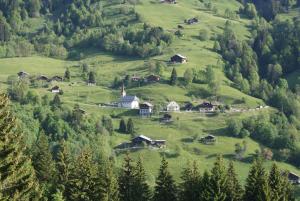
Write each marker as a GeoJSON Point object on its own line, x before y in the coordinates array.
{"type": "Point", "coordinates": [258, 67]}
{"type": "Point", "coordinates": [42, 176]}
{"type": "Point", "coordinates": [71, 25]}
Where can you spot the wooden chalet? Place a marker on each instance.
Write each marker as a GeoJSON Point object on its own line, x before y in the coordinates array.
{"type": "Point", "coordinates": [146, 109]}
{"type": "Point", "coordinates": [152, 78]}
{"type": "Point", "coordinates": [141, 139]}
{"type": "Point", "coordinates": [159, 143]}
{"type": "Point", "coordinates": [188, 106]}
{"type": "Point", "coordinates": [169, 1]}
{"type": "Point", "coordinates": [167, 118]}
{"type": "Point", "coordinates": [192, 21]}
{"type": "Point", "coordinates": [178, 58]}
{"type": "Point", "coordinates": [206, 107]}
{"type": "Point", "coordinates": [135, 78]}
{"type": "Point", "coordinates": [209, 139]}
{"type": "Point", "coordinates": [22, 74]}
{"type": "Point", "coordinates": [293, 178]}
{"type": "Point", "coordinates": [55, 89]}
{"type": "Point", "coordinates": [173, 107]}
{"type": "Point", "coordinates": [42, 78]}
{"type": "Point", "coordinates": [56, 78]}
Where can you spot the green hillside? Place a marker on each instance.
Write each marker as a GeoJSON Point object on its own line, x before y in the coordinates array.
{"type": "Point", "coordinates": [108, 65]}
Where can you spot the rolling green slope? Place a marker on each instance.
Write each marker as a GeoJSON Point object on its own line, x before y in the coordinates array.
{"type": "Point", "coordinates": [186, 125]}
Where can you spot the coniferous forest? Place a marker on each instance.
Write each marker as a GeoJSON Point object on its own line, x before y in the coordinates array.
{"type": "Point", "coordinates": [39, 177]}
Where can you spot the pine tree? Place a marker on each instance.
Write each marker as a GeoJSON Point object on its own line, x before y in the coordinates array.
{"type": "Point", "coordinates": [63, 166]}
{"type": "Point", "coordinates": [234, 190]}
{"type": "Point", "coordinates": [122, 126]}
{"type": "Point", "coordinates": [92, 78]}
{"type": "Point", "coordinates": [257, 187]}
{"type": "Point", "coordinates": [165, 189]}
{"type": "Point", "coordinates": [217, 181]}
{"type": "Point", "coordinates": [107, 124]}
{"type": "Point", "coordinates": [109, 188]}
{"type": "Point", "coordinates": [82, 182]}
{"type": "Point", "coordinates": [279, 185]}
{"type": "Point", "coordinates": [173, 79]}
{"type": "Point", "coordinates": [58, 196]}
{"type": "Point", "coordinates": [141, 188]}
{"type": "Point", "coordinates": [44, 164]}
{"type": "Point", "coordinates": [67, 75]}
{"type": "Point", "coordinates": [34, 8]}
{"type": "Point", "coordinates": [130, 127]}
{"type": "Point", "coordinates": [18, 180]}
{"type": "Point", "coordinates": [126, 180]}
{"type": "Point", "coordinates": [205, 191]}
{"type": "Point", "coordinates": [56, 103]}
{"type": "Point", "coordinates": [217, 46]}
{"type": "Point", "coordinates": [191, 185]}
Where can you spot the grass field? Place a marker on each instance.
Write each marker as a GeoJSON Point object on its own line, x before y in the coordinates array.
{"type": "Point", "coordinates": [186, 125]}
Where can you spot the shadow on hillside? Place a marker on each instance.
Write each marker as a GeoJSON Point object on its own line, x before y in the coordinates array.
{"type": "Point", "coordinates": [217, 132]}
{"type": "Point", "coordinates": [129, 113]}
{"type": "Point", "coordinates": [199, 93]}
{"type": "Point", "coordinates": [211, 156]}
{"type": "Point", "coordinates": [187, 140]}
{"type": "Point", "coordinates": [249, 159]}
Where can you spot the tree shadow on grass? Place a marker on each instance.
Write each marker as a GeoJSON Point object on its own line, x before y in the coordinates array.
{"type": "Point", "coordinates": [217, 132]}
{"type": "Point", "coordinates": [187, 140]}
{"type": "Point", "coordinates": [129, 113]}
{"type": "Point", "coordinates": [199, 93]}
{"type": "Point", "coordinates": [249, 159]}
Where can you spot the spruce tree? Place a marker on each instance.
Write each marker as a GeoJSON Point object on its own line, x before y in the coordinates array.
{"type": "Point", "coordinates": [217, 181]}
{"type": "Point", "coordinates": [67, 75]}
{"type": "Point", "coordinates": [107, 124]}
{"type": "Point", "coordinates": [130, 127]}
{"type": "Point", "coordinates": [44, 164]}
{"type": "Point", "coordinates": [82, 182]}
{"type": "Point", "coordinates": [205, 189]}
{"type": "Point", "coordinates": [257, 187]}
{"type": "Point", "coordinates": [63, 167]}
{"type": "Point", "coordinates": [173, 79]}
{"type": "Point", "coordinates": [18, 180]}
{"type": "Point", "coordinates": [108, 184]}
{"type": "Point", "coordinates": [165, 189]}
{"type": "Point", "coordinates": [92, 78]}
{"type": "Point", "coordinates": [126, 180]}
{"type": "Point", "coordinates": [58, 196]}
{"type": "Point", "coordinates": [191, 185]}
{"type": "Point", "coordinates": [280, 187]}
{"type": "Point", "coordinates": [234, 190]}
{"type": "Point", "coordinates": [56, 103]}
{"type": "Point", "coordinates": [141, 187]}
{"type": "Point", "coordinates": [122, 126]}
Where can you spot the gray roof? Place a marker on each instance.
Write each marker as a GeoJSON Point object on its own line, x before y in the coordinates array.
{"type": "Point", "coordinates": [129, 99]}
{"type": "Point", "coordinates": [181, 56]}
{"type": "Point", "coordinates": [144, 137]}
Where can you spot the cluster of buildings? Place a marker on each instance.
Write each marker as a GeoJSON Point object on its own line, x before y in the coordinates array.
{"type": "Point", "coordinates": [148, 79]}
{"type": "Point", "coordinates": [55, 89]}
{"type": "Point", "coordinates": [23, 74]}
{"type": "Point", "coordinates": [145, 108]}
